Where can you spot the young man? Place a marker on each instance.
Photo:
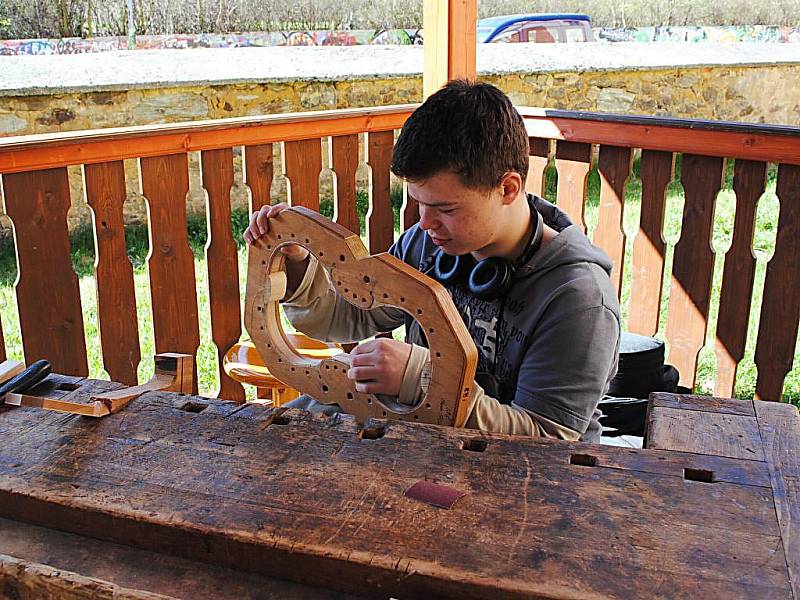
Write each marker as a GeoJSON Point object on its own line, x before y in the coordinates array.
{"type": "Point", "coordinates": [547, 332]}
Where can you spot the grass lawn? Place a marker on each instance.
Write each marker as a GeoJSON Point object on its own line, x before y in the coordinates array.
{"type": "Point", "coordinates": [83, 260]}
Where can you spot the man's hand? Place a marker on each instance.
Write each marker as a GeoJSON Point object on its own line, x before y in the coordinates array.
{"type": "Point", "coordinates": [378, 366]}
{"type": "Point", "coordinates": [259, 225]}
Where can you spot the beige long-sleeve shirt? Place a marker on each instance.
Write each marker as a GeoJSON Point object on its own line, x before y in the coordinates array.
{"type": "Point", "coordinates": [316, 309]}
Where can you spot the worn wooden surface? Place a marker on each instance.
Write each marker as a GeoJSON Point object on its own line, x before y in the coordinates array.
{"type": "Point", "coordinates": [311, 499]}
{"type": "Point", "coordinates": [765, 434]}
{"type": "Point", "coordinates": [38, 562]}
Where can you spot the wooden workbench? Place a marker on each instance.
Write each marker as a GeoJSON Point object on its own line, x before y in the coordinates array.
{"type": "Point", "coordinates": [140, 503]}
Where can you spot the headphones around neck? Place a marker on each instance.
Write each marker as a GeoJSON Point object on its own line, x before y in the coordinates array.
{"type": "Point", "coordinates": [489, 278]}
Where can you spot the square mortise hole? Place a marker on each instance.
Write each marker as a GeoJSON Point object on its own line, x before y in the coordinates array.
{"type": "Point", "coordinates": [194, 407]}
{"type": "Point", "coordinates": [474, 445]}
{"type": "Point", "coordinates": [584, 460]}
{"type": "Point", "coordinates": [701, 475]}
{"type": "Point", "coordinates": [65, 386]}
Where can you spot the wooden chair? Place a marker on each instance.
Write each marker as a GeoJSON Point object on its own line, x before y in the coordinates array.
{"type": "Point", "coordinates": [243, 363]}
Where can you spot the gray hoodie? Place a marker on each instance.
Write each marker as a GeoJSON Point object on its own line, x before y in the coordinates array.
{"type": "Point", "coordinates": [548, 348]}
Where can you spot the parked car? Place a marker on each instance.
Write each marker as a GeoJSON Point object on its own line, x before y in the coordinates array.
{"type": "Point", "coordinates": [539, 27]}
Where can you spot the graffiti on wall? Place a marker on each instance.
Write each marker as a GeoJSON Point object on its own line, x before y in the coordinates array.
{"type": "Point", "coordinates": [403, 37]}
{"type": "Point", "coordinates": [214, 40]}
{"type": "Point", "coordinates": [749, 33]}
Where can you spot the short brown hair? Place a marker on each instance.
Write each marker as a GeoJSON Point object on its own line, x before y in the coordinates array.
{"type": "Point", "coordinates": [469, 128]}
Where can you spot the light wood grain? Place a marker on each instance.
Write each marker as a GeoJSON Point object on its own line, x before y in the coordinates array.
{"type": "Point", "coordinates": [366, 282]}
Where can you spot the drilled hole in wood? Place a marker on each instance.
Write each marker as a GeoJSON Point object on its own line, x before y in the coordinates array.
{"type": "Point", "coordinates": [341, 257]}
{"type": "Point", "coordinates": [372, 432]}
{"type": "Point", "coordinates": [427, 405]}
{"type": "Point", "coordinates": [419, 311]}
{"type": "Point", "coordinates": [280, 237]}
{"type": "Point", "coordinates": [194, 407]}
{"type": "Point", "coordinates": [263, 262]}
{"type": "Point", "coordinates": [260, 309]}
{"type": "Point", "coordinates": [308, 241]}
{"type": "Point", "coordinates": [473, 445]}
{"type": "Point", "coordinates": [701, 475]}
{"type": "Point", "coordinates": [67, 387]}
{"type": "Point", "coordinates": [385, 296]}
{"type": "Point", "coordinates": [438, 355]}
{"type": "Point", "coordinates": [322, 254]}
{"type": "Point", "coordinates": [325, 389]}
{"type": "Point", "coordinates": [349, 396]}
{"type": "Point", "coordinates": [430, 329]}
{"type": "Point", "coordinates": [402, 299]}
{"type": "Point", "coordinates": [366, 279]}
{"type": "Point", "coordinates": [346, 291]}
{"type": "Point", "coordinates": [584, 460]}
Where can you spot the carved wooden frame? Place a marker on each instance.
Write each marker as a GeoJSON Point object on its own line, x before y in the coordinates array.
{"type": "Point", "coordinates": [367, 282]}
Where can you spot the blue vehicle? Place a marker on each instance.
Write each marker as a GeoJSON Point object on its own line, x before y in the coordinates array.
{"type": "Point", "coordinates": [538, 27]}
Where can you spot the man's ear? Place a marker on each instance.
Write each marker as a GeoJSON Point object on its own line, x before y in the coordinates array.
{"type": "Point", "coordinates": [511, 185]}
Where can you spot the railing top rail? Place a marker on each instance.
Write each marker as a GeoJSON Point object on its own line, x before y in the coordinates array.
{"type": "Point", "coordinates": [50, 150]}
{"type": "Point", "coordinates": [751, 141]}
{"type": "Point", "coordinates": [655, 121]}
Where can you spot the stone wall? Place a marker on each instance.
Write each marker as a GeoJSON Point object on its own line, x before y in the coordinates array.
{"type": "Point", "coordinates": [756, 91]}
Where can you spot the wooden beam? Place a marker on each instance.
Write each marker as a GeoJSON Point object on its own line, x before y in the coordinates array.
{"type": "Point", "coordinates": [450, 42]}
{"type": "Point", "coordinates": [42, 151]}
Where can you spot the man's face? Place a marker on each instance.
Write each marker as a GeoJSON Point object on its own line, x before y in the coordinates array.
{"type": "Point", "coordinates": [458, 219]}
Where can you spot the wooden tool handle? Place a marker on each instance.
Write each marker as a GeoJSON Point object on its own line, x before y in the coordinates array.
{"type": "Point", "coordinates": [367, 282]}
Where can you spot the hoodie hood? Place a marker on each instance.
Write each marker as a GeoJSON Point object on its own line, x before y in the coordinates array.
{"type": "Point", "coordinates": [570, 246]}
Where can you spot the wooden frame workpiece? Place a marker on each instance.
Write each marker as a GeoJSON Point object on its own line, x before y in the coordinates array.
{"type": "Point", "coordinates": [367, 282]}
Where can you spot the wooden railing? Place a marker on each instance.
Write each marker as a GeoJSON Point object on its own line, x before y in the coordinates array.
{"type": "Point", "coordinates": [37, 198]}
{"type": "Point", "coordinates": [704, 147]}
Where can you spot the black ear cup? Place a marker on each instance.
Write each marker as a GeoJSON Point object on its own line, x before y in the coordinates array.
{"type": "Point", "coordinates": [486, 279]}
{"type": "Point", "coordinates": [449, 270]}
{"type": "Point", "coordinates": [491, 278]}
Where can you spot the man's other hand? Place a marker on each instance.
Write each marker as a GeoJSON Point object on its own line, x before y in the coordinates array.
{"type": "Point", "coordinates": [259, 226]}
{"type": "Point", "coordinates": [378, 366]}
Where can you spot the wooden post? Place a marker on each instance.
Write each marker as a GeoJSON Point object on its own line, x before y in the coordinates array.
{"type": "Point", "coordinates": [450, 42]}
